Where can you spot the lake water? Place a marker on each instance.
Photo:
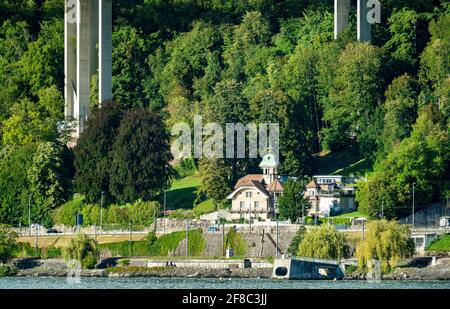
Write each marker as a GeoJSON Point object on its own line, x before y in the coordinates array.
{"type": "Point", "coordinates": [189, 283]}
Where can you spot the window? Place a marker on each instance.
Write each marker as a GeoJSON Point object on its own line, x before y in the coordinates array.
{"type": "Point", "coordinates": [248, 194]}
{"type": "Point", "coordinates": [241, 204]}
{"type": "Point", "coordinates": [256, 204]}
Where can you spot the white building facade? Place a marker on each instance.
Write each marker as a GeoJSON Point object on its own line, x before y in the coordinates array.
{"type": "Point", "coordinates": [330, 195]}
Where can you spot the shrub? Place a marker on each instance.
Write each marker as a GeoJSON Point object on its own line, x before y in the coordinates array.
{"type": "Point", "coordinates": [142, 213]}
{"type": "Point", "coordinates": [441, 244]}
{"type": "Point", "coordinates": [205, 207]}
{"type": "Point", "coordinates": [185, 168]}
{"type": "Point", "coordinates": [296, 240]}
{"type": "Point", "coordinates": [344, 221]}
{"type": "Point", "coordinates": [8, 271]}
{"type": "Point", "coordinates": [233, 240]}
{"type": "Point", "coordinates": [83, 249]}
{"type": "Point", "coordinates": [50, 252]}
{"type": "Point", "coordinates": [157, 247]}
{"type": "Point", "coordinates": [151, 238]}
{"type": "Point", "coordinates": [182, 214]}
{"type": "Point", "coordinates": [25, 250]}
{"type": "Point", "coordinates": [324, 242]}
{"type": "Point", "coordinates": [124, 263]}
{"type": "Point", "coordinates": [67, 212]}
{"type": "Point", "coordinates": [8, 244]}
{"type": "Point", "coordinates": [196, 243]}
{"type": "Point", "coordinates": [91, 215]}
{"type": "Point", "coordinates": [117, 215]}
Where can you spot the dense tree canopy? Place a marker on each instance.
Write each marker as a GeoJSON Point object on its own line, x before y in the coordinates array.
{"type": "Point", "coordinates": [324, 242]}
{"type": "Point", "coordinates": [386, 241]}
{"type": "Point", "coordinates": [92, 153]}
{"type": "Point", "coordinates": [292, 204]}
{"type": "Point", "coordinates": [140, 156]}
{"type": "Point", "coordinates": [236, 61]}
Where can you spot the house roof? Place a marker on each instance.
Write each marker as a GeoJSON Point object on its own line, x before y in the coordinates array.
{"type": "Point", "coordinates": [251, 185]}
{"type": "Point", "coordinates": [249, 179]}
{"type": "Point", "coordinates": [275, 186]}
{"type": "Point", "coordinates": [313, 185]}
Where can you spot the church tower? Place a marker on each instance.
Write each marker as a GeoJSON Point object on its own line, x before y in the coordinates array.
{"type": "Point", "coordinates": [269, 166]}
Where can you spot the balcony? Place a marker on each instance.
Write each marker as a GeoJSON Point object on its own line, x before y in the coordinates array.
{"type": "Point", "coordinates": [247, 211]}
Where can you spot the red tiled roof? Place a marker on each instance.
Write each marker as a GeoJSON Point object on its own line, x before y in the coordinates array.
{"type": "Point", "coordinates": [249, 179]}
{"type": "Point", "coordinates": [313, 185]}
{"type": "Point", "coordinates": [275, 186]}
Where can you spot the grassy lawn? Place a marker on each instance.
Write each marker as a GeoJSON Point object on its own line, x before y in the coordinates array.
{"type": "Point", "coordinates": [442, 244]}
{"type": "Point", "coordinates": [183, 193]}
{"type": "Point", "coordinates": [204, 208]}
{"type": "Point", "coordinates": [346, 162]}
{"type": "Point", "coordinates": [64, 241]}
{"type": "Point", "coordinates": [355, 214]}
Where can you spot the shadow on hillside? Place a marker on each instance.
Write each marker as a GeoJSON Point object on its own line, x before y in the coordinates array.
{"type": "Point", "coordinates": [181, 198]}
{"type": "Point", "coordinates": [347, 162]}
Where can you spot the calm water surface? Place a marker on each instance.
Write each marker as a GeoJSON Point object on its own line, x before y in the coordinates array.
{"type": "Point", "coordinates": [189, 283]}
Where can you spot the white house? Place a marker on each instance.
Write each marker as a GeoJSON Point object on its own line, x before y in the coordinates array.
{"type": "Point", "coordinates": [255, 195]}
{"type": "Point", "coordinates": [330, 194]}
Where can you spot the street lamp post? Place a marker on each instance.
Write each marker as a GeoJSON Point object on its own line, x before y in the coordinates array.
{"type": "Point", "coordinates": [413, 205]}
{"type": "Point", "coordinates": [29, 214]}
{"type": "Point", "coordinates": [36, 241]}
{"type": "Point", "coordinates": [250, 209]}
{"type": "Point", "coordinates": [363, 229]}
{"type": "Point", "coordinates": [164, 214]}
{"type": "Point", "coordinates": [187, 237]}
{"type": "Point", "coordinates": [101, 212]}
{"type": "Point", "coordinates": [277, 240]}
{"type": "Point", "coordinates": [154, 220]}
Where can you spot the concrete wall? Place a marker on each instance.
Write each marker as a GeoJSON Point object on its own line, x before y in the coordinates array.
{"type": "Point", "coordinates": [212, 264]}
{"type": "Point", "coordinates": [306, 269]}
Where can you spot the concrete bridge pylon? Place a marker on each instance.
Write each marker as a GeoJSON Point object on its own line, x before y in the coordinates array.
{"type": "Point", "coordinates": [88, 51]}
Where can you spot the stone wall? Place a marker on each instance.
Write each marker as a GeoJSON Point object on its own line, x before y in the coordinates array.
{"type": "Point", "coordinates": [258, 244]}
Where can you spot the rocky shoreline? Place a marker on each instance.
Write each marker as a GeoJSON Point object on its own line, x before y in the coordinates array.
{"type": "Point", "coordinates": [57, 268]}
{"type": "Point", "coordinates": [398, 274]}
{"type": "Point", "coordinates": [149, 272]}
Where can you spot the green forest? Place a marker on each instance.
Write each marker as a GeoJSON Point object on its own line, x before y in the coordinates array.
{"type": "Point", "coordinates": [231, 61]}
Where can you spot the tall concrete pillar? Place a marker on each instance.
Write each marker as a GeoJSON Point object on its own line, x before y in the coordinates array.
{"type": "Point", "coordinates": [70, 58]}
{"type": "Point", "coordinates": [94, 37]}
{"type": "Point", "coordinates": [363, 24]}
{"type": "Point", "coordinates": [341, 15]}
{"type": "Point", "coordinates": [88, 51]}
{"type": "Point", "coordinates": [81, 110]}
{"type": "Point", "coordinates": [105, 51]}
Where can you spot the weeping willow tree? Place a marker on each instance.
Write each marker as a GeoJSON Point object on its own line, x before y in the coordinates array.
{"type": "Point", "coordinates": [83, 249]}
{"type": "Point", "coordinates": [386, 241]}
{"type": "Point", "coordinates": [323, 243]}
